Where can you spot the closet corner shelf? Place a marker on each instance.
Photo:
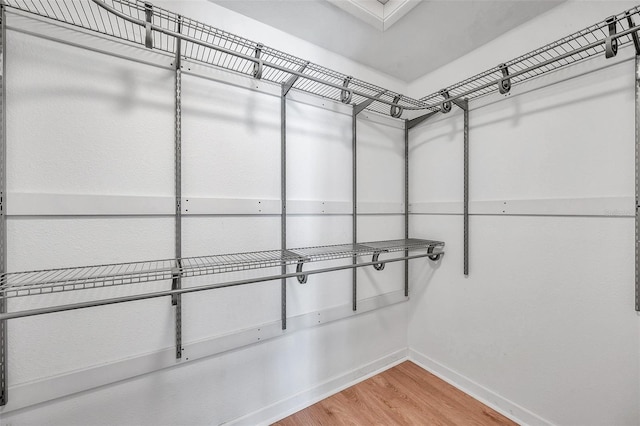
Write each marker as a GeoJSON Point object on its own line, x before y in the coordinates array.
{"type": "Point", "coordinates": [17, 284]}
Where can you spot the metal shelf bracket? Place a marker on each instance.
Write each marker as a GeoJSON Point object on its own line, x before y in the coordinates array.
{"type": "Point", "coordinates": [611, 43]}
{"type": "Point", "coordinates": [357, 109]}
{"type": "Point", "coordinates": [287, 85]}
{"type": "Point", "coordinates": [505, 84]}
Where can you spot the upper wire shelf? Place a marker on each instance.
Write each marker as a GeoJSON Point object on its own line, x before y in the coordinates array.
{"type": "Point", "coordinates": [46, 281]}
{"type": "Point", "coordinates": [603, 38]}
{"type": "Point", "coordinates": [211, 46]}
{"type": "Point", "coordinates": [141, 22]}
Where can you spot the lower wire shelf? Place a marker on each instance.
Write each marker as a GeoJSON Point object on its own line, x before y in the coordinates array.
{"type": "Point", "coordinates": [19, 284]}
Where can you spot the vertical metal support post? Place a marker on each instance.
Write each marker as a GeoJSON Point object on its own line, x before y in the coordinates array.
{"type": "Point", "coordinates": [406, 204]}
{"type": "Point", "coordinates": [466, 187]}
{"type": "Point", "coordinates": [354, 120]}
{"type": "Point", "coordinates": [283, 200]}
{"type": "Point", "coordinates": [177, 299]}
{"type": "Point", "coordinates": [637, 152]}
{"type": "Point", "coordinates": [3, 205]}
{"type": "Point", "coordinates": [286, 86]}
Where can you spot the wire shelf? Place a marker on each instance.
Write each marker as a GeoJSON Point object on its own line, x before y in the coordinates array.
{"type": "Point", "coordinates": [573, 48]}
{"type": "Point", "coordinates": [207, 45]}
{"type": "Point", "coordinates": [27, 283]}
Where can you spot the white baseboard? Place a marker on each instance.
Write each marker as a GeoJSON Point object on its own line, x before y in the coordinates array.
{"type": "Point", "coordinates": [299, 401]}
{"type": "Point", "coordinates": [489, 398]}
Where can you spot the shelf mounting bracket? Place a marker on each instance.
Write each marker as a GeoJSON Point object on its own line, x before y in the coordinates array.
{"type": "Point", "coordinates": [357, 109]}
{"type": "Point", "coordinates": [415, 121]}
{"type": "Point", "coordinates": [287, 85]}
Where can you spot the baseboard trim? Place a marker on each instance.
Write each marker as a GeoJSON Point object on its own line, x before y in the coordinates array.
{"type": "Point", "coordinates": [489, 398]}
{"type": "Point", "coordinates": [304, 399]}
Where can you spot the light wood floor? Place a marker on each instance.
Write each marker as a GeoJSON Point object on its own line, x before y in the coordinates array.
{"type": "Point", "coordinates": [403, 395]}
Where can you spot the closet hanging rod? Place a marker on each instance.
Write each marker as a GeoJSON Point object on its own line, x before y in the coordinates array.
{"type": "Point", "coordinates": [253, 59]}
{"type": "Point", "coordinates": [162, 293]}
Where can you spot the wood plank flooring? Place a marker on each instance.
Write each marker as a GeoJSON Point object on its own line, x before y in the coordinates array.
{"type": "Point", "coordinates": [403, 395]}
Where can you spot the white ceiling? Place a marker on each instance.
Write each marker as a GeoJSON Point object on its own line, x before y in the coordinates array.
{"type": "Point", "coordinates": [430, 35]}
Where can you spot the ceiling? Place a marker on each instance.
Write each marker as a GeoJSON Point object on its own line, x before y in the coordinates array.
{"type": "Point", "coordinates": [429, 35]}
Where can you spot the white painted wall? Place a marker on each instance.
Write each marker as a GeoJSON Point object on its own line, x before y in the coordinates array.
{"type": "Point", "coordinates": [544, 326]}
{"type": "Point", "coordinates": [85, 123]}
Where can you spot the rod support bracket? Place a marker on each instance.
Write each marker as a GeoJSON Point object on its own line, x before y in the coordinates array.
{"type": "Point", "coordinates": [345, 94]}
{"type": "Point", "coordinates": [378, 266]}
{"type": "Point", "coordinates": [434, 257]}
{"type": "Point", "coordinates": [148, 16]}
{"type": "Point", "coordinates": [175, 274]}
{"type": "Point", "coordinates": [445, 106]}
{"type": "Point", "coordinates": [611, 44]}
{"type": "Point", "coordinates": [505, 83]}
{"type": "Point", "coordinates": [302, 279]}
{"type": "Point", "coordinates": [396, 110]}
{"type": "Point", "coordinates": [257, 66]}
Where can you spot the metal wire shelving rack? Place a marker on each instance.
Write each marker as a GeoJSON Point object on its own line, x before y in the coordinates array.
{"type": "Point", "coordinates": [140, 23]}
{"type": "Point", "coordinates": [47, 281]}
{"type": "Point", "coordinates": [17, 284]}
{"type": "Point", "coordinates": [144, 24]}
{"type": "Point", "coordinates": [603, 38]}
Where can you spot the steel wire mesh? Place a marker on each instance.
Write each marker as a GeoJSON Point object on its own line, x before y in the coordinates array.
{"type": "Point", "coordinates": [26, 283]}
{"type": "Point", "coordinates": [86, 14]}
{"type": "Point", "coordinates": [568, 50]}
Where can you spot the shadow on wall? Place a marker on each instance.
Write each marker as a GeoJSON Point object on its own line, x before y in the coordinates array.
{"type": "Point", "coordinates": [421, 283]}
{"type": "Point", "coordinates": [235, 105]}
{"type": "Point", "coordinates": [510, 107]}
{"type": "Point", "coordinates": [515, 114]}
{"type": "Point", "coordinates": [448, 127]}
{"type": "Point", "coordinates": [129, 94]}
